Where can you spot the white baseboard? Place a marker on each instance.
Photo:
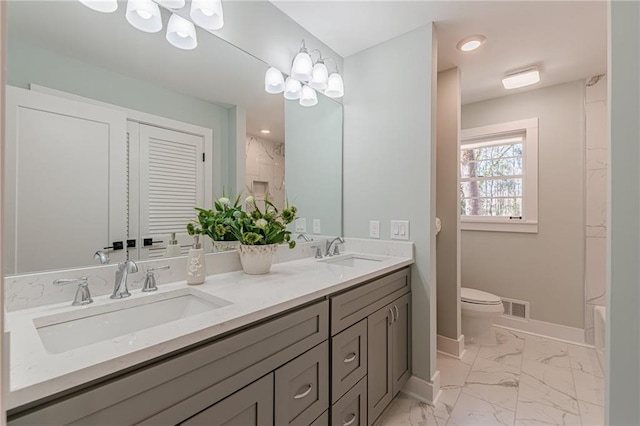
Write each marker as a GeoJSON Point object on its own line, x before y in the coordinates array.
{"type": "Point", "coordinates": [451, 346]}
{"type": "Point", "coordinates": [422, 390]}
{"type": "Point", "coordinates": [545, 329]}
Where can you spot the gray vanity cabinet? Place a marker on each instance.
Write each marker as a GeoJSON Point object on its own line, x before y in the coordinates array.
{"type": "Point", "coordinates": [250, 406]}
{"type": "Point", "coordinates": [400, 339]}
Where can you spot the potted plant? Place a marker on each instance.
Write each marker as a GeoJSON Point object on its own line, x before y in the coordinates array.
{"type": "Point", "coordinates": [216, 223]}
{"type": "Point", "coordinates": [260, 233]}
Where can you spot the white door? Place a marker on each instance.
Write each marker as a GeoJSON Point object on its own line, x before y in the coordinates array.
{"type": "Point", "coordinates": [65, 182]}
{"type": "Point", "coordinates": [171, 184]}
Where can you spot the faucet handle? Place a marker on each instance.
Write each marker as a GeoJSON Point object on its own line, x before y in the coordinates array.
{"type": "Point", "coordinates": [336, 250]}
{"type": "Point", "coordinates": [83, 296]}
{"type": "Point", "coordinates": [150, 280]}
{"type": "Point", "coordinates": [318, 252]}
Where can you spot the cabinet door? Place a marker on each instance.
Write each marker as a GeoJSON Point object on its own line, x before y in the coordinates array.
{"type": "Point", "coordinates": [250, 406]}
{"type": "Point", "coordinates": [380, 387]}
{"type": "Point", "coordinates": [401, 337]}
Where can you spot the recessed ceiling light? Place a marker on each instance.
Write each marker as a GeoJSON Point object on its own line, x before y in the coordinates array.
{"type": "Point", "coordinates": [471, 43]}
{"type": "Point", "coordinates": [265, 131]}
{"type": "Point", "coordinates": [521, 78]}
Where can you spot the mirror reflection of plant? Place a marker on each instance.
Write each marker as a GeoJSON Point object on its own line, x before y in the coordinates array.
{"type": "Point", "coordinates": [217, 223]}
{"type": "Point", "coordinates": [254, 227]}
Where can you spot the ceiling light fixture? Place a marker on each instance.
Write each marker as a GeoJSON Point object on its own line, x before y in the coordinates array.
{"type": "Point", "coordinates": [471, 43]}
{"type": "Point", "coordinates": [181, 33]}
{"type": "Point", "coordinates": [207, 13]}
{"type": "Point", "coordinates": [265, 131]}
{"type": "Point", "coordinates": [104, 6]}
{"type": "Point", "coordinates": [144, 15]}
{"type": "Point", "coordinates": [522, 78]}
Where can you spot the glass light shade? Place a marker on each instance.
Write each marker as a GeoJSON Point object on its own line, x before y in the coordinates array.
{"type": "Point", "coordinates": [302, 67]}
{"type": "Point", "coordinates": [181, 33]}
{"type": "Point", "coordinates": [335, 86]}
{"type": "Point", "coordinates": [172, 4]}
{"type": "Point", "coordinates": [105, 6]}
{"type": "Point", "coordinates": [292, 89]}
{"type": "Point", "coordinates": [308, 98]}
{"type": "Point", "coordinates": [320, 75]}
{"type": "Point", "coordinates": [207, 13]}
{"type": "Point", "coordinates": [144, 15]}
{"type": "Point", "coordinates": [273, 81]}
{"type": "Point", "coordinates": [521, 79]}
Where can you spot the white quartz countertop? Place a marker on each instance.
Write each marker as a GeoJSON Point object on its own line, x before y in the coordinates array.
{"type": "Point", "coordinates": [36, 374]}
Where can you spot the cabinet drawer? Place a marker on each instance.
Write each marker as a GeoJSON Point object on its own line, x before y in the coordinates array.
{"type": "Point", "coordinates": [302, 388]}
{"type": "Point", "coordinates": [250, 406]}
{"type": "Point", "coordinates": [348, 359]}
{"type": "Point", "coordinates": [172, 390]}
{"type": "Point", "coordinates": [351, 409]}
{"type": "Point", "coordinates": [354, 305]}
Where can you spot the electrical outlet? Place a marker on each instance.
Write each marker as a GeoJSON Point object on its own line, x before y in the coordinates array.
{"type": "Point", "coordinates": [399, 229]}
{"type": "Point", "coordinates": [374, 229]}
{"type": "Point", "coordinates": [301, 224]}
{"type": "Point", "coordinates": [316, 226]}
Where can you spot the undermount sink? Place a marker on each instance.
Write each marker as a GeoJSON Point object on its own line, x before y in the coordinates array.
{"type": "Point", "coordinates": [353, 260]}
{"type": "Point", "coordinates": [59, 333]}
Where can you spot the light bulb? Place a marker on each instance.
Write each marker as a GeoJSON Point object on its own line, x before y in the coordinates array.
{"type": "Point", "coordinates": [144, 15]}
{"type": "Point", "coordinates": [207, 13]}
{"type": "Point", "coordinates": [292, 89]}
{"type": "Point", "coordinates": [181, 33]}
{"type": "Point", "coordinates": [308, 98]}
{"type": "Point", "coordinates": [273, 81]}
{"type": "Point", "coordinates": [335, 86]}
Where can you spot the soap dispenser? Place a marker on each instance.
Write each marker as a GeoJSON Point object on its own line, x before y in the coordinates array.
{"type": "Point", "coordinates": [173, 248]}
{"type": "Point", "coordinates": [196, 267]}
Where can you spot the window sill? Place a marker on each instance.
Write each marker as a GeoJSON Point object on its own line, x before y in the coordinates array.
{"type": "Point", "coordinates": [521, 227]}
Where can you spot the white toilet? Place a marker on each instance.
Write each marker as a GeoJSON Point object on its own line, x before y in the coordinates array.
{"type": "Point", "coordinates": [479, 310]}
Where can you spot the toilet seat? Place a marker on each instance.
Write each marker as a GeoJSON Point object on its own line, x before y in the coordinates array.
{"type": "Point", "coordinates": [478, 297]}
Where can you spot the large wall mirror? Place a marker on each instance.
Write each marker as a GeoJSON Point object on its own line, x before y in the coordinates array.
{"type": "Point", "coordinates": [114, 135]}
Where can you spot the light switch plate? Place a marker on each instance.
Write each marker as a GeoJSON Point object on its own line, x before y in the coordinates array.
{"type": "Point", "coordinates": [399, 229]}
{"type": "Point", "coordinates": [316, 226]}
{"type": "Point", "coordinates": [301, 224]}
{"type": "Point", "coordinates": [374, 229]}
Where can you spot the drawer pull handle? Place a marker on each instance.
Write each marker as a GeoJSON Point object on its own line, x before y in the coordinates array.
{"type": "Point", "coordinates": [350, 358]}
{"type": "Point", "coordinates": [391, 317]}
{"type": "Point", "coordinates": [397, 312]}
{"type": "Point", "coordinates": [353, 419]}
{"type": "Point", "coordinates": [305, 393]}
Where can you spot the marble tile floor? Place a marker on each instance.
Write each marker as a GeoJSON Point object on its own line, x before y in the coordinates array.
{"type": "Point", "coordinates": [525, 380]}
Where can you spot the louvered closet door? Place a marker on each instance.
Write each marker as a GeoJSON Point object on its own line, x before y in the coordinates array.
{"type": "Point", "coordinates": [171, 185]}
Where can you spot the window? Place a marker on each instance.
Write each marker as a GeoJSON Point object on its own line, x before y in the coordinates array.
{"type": "Point", "coordinates": [499, 177]}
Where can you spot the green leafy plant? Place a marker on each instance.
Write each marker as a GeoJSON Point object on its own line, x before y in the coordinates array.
{"type": "Point", "coordinates": [255, 227]}
{"type": "Point", "coordinates": [217, 223]}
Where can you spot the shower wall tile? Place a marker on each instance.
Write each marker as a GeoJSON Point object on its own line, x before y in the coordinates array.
{"type": "Point", "coordinates": [265, 163]}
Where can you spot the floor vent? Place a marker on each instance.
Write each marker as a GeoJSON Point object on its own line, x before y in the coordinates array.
{"type": "Point", "coordinates": [516, 309]}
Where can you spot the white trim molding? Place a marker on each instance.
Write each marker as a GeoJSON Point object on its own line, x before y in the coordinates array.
{"type": "Point", "coordinates": [422, 390]}
{"type": "Point", "coordinates": [449, 346]}
{"type": "Point", "coordinates": [545, 329]}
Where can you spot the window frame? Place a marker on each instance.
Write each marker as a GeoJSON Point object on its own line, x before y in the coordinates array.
{"type": "Point", "coordinates": [529, 221]}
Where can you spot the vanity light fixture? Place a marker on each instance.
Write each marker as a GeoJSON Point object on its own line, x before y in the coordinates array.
{"type": "Point", "coordinates": [522, 78]}
{"type": "Point", "coordinates": [104, 6]}
{"type": "Point", "coordinates": [171, 4]}
{"type": "Point", "coordinates": [308, 98]}
{"type": "Point", "coordinates": [471, 43]}
{"type": "Point", "coordinates": [302, 67]}
{"type": "Point", "coordinates": [320, 75]}
{"type": "Point", "coordinates": [181, 33]}
{"type": "Point", "coordinates": [292, 89]}
{"type": "Point", "coordinates": [144, 15]}
{"type": "Point", "coordinates": [273, 81]}
{"type": "Point", "coordinates": [335, 86]}
{"type": "Point", "coordinates": [207, 14]}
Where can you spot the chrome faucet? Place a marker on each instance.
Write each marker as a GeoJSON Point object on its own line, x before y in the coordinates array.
{"type": "Point", "coordinates": [83, 296]}
{"type": "Point", "coordinates": [336, 251]}
{"type": "Point", "coordinates": [120, 290]}
{"type": "Point", "coordinates": [303, 236]}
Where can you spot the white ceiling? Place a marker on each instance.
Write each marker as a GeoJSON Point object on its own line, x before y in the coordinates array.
{"type": "Point", "coordinates": [567, 40]}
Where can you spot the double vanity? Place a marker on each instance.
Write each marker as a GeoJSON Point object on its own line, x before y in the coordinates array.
{"type": "Point", "coordinates": [316, 341]}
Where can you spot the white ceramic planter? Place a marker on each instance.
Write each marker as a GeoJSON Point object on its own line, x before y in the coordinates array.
{"type": "Point", "coordinates": [219, 246]}
{"type": "Point", "coordinates": [256, 260]}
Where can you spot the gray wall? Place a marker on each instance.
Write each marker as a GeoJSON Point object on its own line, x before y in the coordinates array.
{"type": "Point", "coordinates": [547, 268]}
{"type": "Point", "coordinates": [28, 64]}
{"type": "Point", "coordinates": [623, 322]}
{"type": "Point", "coordinates": [388, 158]}
{"type": "Point", "coordinates": [313, 165]}
{"type": "Point", "coordinates": [448, 204]}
